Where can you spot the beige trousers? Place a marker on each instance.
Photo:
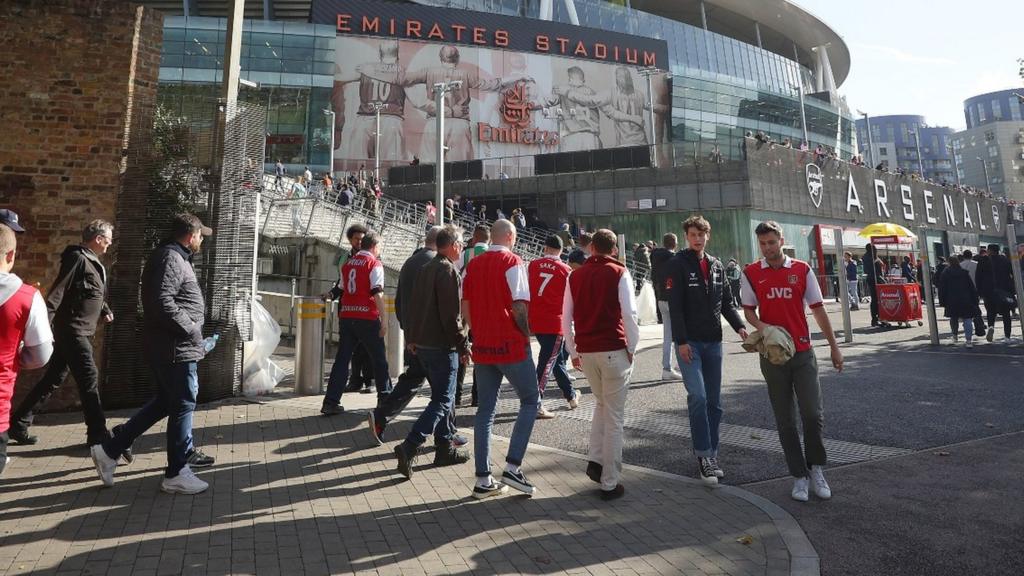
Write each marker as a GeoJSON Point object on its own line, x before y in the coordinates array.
{"type": "Point", "coordinates": [608, 375]}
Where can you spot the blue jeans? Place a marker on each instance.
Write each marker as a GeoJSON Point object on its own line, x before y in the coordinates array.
{"type": "Point", "coordinates": [523, 377]}
{"type": "Point", "coordinates": [441, 367]}
{"type": "Point", "coordinates": [177, 387]}
{"type": "Point", "coordinates": [703, 380]}
{"type": "Point", "coordinates": [352, 332]}
{"type": "Point", "coordinates": [551, 360]}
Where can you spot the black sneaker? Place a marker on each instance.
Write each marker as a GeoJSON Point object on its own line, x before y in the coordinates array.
{"type": "Point", "coordinates": [706, 471]}
{"type": "Point", "coordinates": [128, 456]}
{"type": "Point", "coordinates": [518, 481]}
{"type": "Point", "coordinates": [495, 488]}
{"type": "Point", "coordinates": [332, 410]}
{"type": "Point", "coordinates": [353, 387]}
{"type": "Point", "coordinates": [196, 459]}
{"type": "Point", "coordinates": [22, 436]}
{"type": "Point", "coordinates": [450, 456]}
{"type": "Point", "coordinates": [614, 494]}
{"type": "Point", "coordinates": [376, 430]}
{"type": "Point", "coordinates": [594, 471]}
{"type": "Point", "coordinates": [719, 473]}
{"type": "Point", "coordinates": [405, 460]}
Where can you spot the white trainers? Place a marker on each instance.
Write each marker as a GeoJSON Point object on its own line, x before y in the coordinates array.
{"type": "Point", "coordinates": [970, 344]}
{"type": "Point", "coordinates": [574, 402]}
{"type": "Point", "coordinates": [544, 414]}
{"type": "Point", "coordinates": [800, 488]}
{"type": "Point", "coordinates": [105, 465]}
{"type": "Point", "coordinates": [671, 375]}
{"type": "Point", "coordinates": [821, 489]}
{"type": "Point", "coordinates": [1007, 340]}
{"type": "Point", "coordinates": [186, 482]}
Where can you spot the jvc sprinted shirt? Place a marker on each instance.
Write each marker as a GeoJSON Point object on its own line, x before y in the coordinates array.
{"type": "Point", "coordinates": [779, 296]}
{"type": "Point", "coordinates": [362, 277]}
{"type": "Point", "coordinates": [494, 280]}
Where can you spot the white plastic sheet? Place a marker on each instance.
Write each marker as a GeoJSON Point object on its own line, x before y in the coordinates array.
{"type": "Point", "coordinates": [647, 306]}
{"type": "Point", "coordinates": [259, 373]}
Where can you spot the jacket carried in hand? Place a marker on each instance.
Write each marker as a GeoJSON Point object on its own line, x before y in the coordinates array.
{"type": "Point", "coordinates": [173, 307]}
{"type": "Point", "coordinates": [77, 298]}
{"type": "Point", "coordinates": [697, 305]}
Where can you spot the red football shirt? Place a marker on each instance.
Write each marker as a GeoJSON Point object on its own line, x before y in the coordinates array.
{"type": "Point", "coordinates": [780, 296]}
{"type": "Point", "coordinates": [493, 281]}
{"type": "Point", "coordinates": [362, 277]}
{"type": "Point", "coordinates": [548, 276]}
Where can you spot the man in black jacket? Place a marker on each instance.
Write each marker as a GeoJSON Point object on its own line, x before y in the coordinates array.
{"type": "Point", "coordinates": [698, 295]}
{"type": "Point", "coordinates": [412, 379]}
{"type": "Point", "coordinates": [437, 336]}
{"type": "Point", "coordinates": [173, 311]}
{"type": "Point", "coordinates": [660, 258]}
{"type": "Point", "coordinates": [994, 279]}
{"type": "Point", "coordinates": [76, 303]}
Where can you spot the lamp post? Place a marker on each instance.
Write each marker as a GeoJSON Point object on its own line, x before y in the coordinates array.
{"type": "Point", "coordinates": [330, 154]}
{"type": "Point", "coordinates": [871, 146]}
{"type": "Point", "coordinates": [803, 114]}
{"type": "Point", "coordinates": [956, 167]}
{"type": "Point", "coordinates": [917, 143]}
{"type": "Point", "coordinates": [376, 141]}
{"type": "Point", "coordinates": [984, 166]}
{"type": "Point", "coordinates": [440, 89]}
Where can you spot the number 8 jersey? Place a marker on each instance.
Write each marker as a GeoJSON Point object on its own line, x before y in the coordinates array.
{"type": "Point", "coordinates": [548, 277]}
{"type": "Point", "coordinates": [362, 276]}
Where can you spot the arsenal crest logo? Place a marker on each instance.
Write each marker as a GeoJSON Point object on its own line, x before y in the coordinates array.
{"type": "Point", "coordinates": [793, 279]}
{"type": "Point", "coordinates": [814, 183]}
{"type": "Point", "coordinates": [891, 303]}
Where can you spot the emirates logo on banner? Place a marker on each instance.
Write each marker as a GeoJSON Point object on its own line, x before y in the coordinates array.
{"type": "Point", "coordinates": [515, 108]}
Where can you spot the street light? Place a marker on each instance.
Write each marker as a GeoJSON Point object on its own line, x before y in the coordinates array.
{"type": "Point", "coordinates": [330, 154]}
{"type": "Point", "coordinates": [440, 89]}
{"type": "Point", "coordinates": [984, 165]}
{"type": "Point", "coordinates": [956, 167]}
{"type": "Point", "coordinates": [803, 114]}
{"type": "Point", "coordinates": [917, 143]}
{"type": "Point", "coordinates": [648, 72]}
{"type": "Point", "coordinates": [376, 141]}
{"type": "Point", "coordinates": [871, 146]}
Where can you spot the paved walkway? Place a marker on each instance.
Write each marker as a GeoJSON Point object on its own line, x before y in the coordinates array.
{"type": "Point", "coordinates": [294, 492]}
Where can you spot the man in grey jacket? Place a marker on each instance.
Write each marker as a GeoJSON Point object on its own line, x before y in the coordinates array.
{"type": "Point", "coordinates": [76, 303]}
{"type": "Point", "coordinates": [173, 315]}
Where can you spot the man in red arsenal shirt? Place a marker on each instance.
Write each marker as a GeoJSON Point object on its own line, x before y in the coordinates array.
{"type": "Point", "coordinates": [495, 298]}
{"type": "Point", "coordinates": [601, 333]}
{"type": "Point", "coordinates": [548, 276]}
{"type": "Point", "coordinates": [23, 319]}
{"type": "Point", "coordinates": [361, 287]}
{"type": "Point", "coordinates": [774, 292]}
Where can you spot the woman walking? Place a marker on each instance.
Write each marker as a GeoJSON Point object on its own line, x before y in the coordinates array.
{"type": "Point", "coordinates": [960, 298]}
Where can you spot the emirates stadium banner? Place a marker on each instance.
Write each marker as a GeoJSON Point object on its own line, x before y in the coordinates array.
{"type": "Point", "coordinates": [525, 86]}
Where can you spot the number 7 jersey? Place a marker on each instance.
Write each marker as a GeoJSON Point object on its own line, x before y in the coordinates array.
{"type": "Point", "coordinates": [548, 278]}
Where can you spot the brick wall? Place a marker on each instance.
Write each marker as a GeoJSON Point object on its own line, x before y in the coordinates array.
{"type": "Point", "coordinates": [78, 91]}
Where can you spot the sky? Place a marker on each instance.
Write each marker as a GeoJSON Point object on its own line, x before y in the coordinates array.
{"type": "Point", "coordinates": [925, 57]}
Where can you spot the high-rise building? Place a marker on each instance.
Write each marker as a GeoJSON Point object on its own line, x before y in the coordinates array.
{"type": "Point", "coordinates": [990, 152]}
{"type": "Point", "coordinates": [894, 144]}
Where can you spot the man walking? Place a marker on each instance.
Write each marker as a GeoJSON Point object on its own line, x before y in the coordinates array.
{"type": "Point", "coordinates": [406, 303]}
{"type": "Point", "coordinates": [361, 374]}
{"type": "Point", "coordinates": [496, 296]}
{"type": "Point", "coordinates": [775, 291]}
{"type": "Point", "coordinates": [25, 337]}
{"type": "Point", "coordinates": [698, 295]}
{"type": "Point", "coordinates": [361, 288]}
{"type": "Point", "coordinates": [660, 258]}
{"type": "Point", "coordinates": [548, 277]}
{"type": "Point", "coordinates": [75, 303]}
{"type": "Point", "coordinates": [969, 264]}
{"type": "Point", "coordinates": [850, 269]}
{"type": "Point", "coordinates": [173, 311]}
{"type": "Point", "coordinates": [437, 338]}
{"type": "Point", "coordinates": [599, 321]}
{"type": "Point", "coordinates": [994, 279]}
{"type": "Point", "coordinates": [481, 238]}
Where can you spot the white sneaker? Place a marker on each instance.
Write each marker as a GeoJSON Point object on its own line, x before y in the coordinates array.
{"type": "Point", "coordinates": [105, 465]}
{"type": "Point", "coordinates": [186, 482]}
{"type": "Point", "coordinates": [574, 402]}
{"type": "Point", "coordinates": [544, 414]}
{"type": "Point", "coordinates": [970, 344]}
{"type": "Point", "coordinates": [800, 489]}
{"type": "Point", "coordinates": [671, 375]}
{"type": "Point", "coordinates": [1007, 340]}
{"type": "Point", "coordinates": [821, 489]}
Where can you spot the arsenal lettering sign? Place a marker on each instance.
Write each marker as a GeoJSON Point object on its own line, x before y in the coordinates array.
{"type": "Point", "coordinates": [406, 21]}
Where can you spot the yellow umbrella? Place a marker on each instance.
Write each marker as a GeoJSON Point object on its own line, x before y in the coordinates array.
{"type": "Point", "coordinates": [886, 229]}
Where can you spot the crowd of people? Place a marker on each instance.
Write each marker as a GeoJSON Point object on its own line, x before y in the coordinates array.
{"type": "Point", "coordinates": [478, 306]}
